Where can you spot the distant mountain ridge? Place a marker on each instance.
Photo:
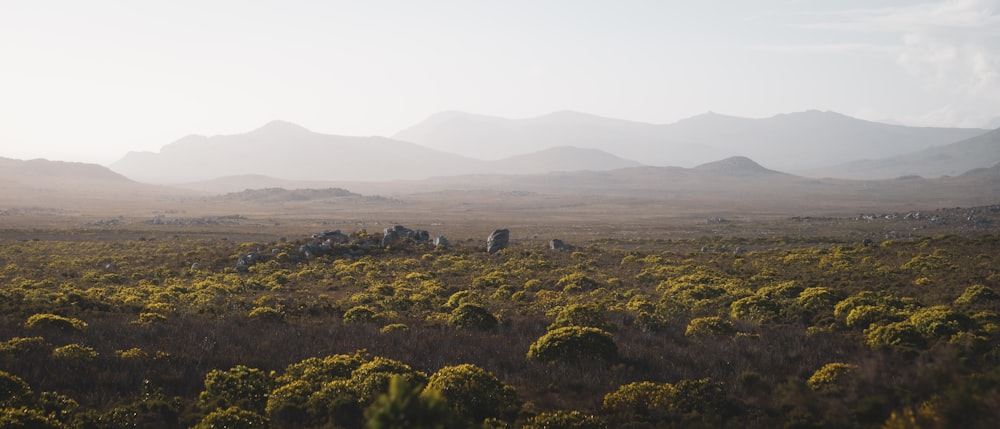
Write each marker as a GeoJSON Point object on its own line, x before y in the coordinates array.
{"type": "Point", "coordinates": [788, 142]}
{"type": "Point", "coordinates": [982, 151]}
{"type": "Point", "coordinates": [14, 169]}
{"type": "Point", "coordinates": [289, 151]}
{"type": "Point", "coordinates": [73, 184]}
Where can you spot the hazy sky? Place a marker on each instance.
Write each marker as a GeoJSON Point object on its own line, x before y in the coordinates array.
{"type": "Point", "coordinates": [91, 80]}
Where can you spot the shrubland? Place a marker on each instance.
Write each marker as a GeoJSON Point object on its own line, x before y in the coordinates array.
{"type": "Point", "coordinates": [807, 332]}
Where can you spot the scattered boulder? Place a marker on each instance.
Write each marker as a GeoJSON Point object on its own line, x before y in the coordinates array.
{"type": "Point", "coordinates": [559, 245]}
{"type": "Point", "coordinates": [498, 240]}
{"type": "Point", "coordinates": [244, 262]}
{"type": "Point", "coordinates": [440, 241]}
{"type": "Point", "coordinates": [331, 235]}
{"type": "Point", "coordinates": [388, 237]}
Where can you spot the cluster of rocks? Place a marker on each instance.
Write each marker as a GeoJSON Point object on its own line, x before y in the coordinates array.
{"type": "Point", "coordinates": [335, 242]}
{"type": "Point", "coordinates": [108, 222]}
{"type": "Point", "coordinates": [205, 220]}
{"type": "Point", "coordinates": [975, 216]}
{"type": "Point", "coordinates": [246, 260]}
{"type": "Point", "coordinates": [400, 232]}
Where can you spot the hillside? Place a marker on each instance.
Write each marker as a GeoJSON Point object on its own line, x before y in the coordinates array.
{"type": "Point", "coordinates": [788, 142]}
{"type": "Point", "coordinates": [72, 185]}
{"type": "Point", "coordinates": [946, 160]}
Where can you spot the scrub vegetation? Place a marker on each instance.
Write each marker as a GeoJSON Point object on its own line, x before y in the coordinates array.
{"type": "Point", "coordinates": [166, 332]}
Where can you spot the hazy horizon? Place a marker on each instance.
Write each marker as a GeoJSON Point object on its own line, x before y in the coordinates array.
{"type": "Point", "coordinates": [92, 81]}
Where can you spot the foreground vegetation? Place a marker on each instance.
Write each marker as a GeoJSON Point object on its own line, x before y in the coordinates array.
{"type": "Point", "coordinates": [167, 332]}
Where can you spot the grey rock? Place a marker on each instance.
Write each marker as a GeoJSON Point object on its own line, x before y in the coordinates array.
{"type": "Point", "coordinates": [498, 240]}
{"type": "Point", "coordinates": [559, 245]}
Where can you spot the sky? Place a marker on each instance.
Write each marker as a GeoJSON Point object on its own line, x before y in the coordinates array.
{"type": "Point", "coordinates": [90, 81]}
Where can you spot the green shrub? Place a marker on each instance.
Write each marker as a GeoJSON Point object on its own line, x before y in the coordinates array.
{"type": "Point", "coordinates": [22, 347]}
{"type": "Point", "coordinates": [239, 386]}
{"type": "Point", "coordinates": [288, 404]}
{"type": "Point", "coordinates": [75, 352]}
{"type": "Point", "coordinates": [461, 297]}
{"type": "Point", "coordinates": [713, 326]}
{"type": "Point", "coordinates": [319, 371]}
{"type": "Point", "coordinates": [574, 344]}
{"type": "Point", "coordinates": [472, 316]}
{"type": "Point", "coordinates": [359, 315]}
{"type": "Point", "coordinates": [267, 314]}
{"type": "Point", "coordinates": [25, 418]}
{"type": "Point", "coordinates": [831, 378]}
{"type": "Point", "coordinates": [939, 322]}
{"type": "Point", "coordinates": [134, 353]}
{"type": "Point", "coordinates": [404, 406]}
{"type": "Point", "coordinates": [755, 308]}
{"type": "Point", "coordinates": [864, 316]}
{"type": "Point", "coordinates": [565, 420]}
{"type": "Point", "coordinates": [817, 299]}
{"type": "Point", "coordinates": [473, 393]}
{"type": "Point", "coordinates": [233, 418]}
{"type": "Point", "coordinates": [576, 282]}
{"type": "Point", "coordinates": [977, 294]}
{"type": "Point", "coordinates": [589, 315]}
{"type": "Point", "coordinates": [336, 403]}
{"type": "Point", "coordinates": [55, 322]}
{"type": "Point", "coordinates": [902, 336]}
{"type": "Point", "coordinates": [14, 392]}
{"type": "Point", "coordinates": [642, 398]}
{"type": "Point", "coordinates": [147, 319]}
{"type": "Point", "coordinates": [703, 400]}
{"type": "Point", "coordinates": [371, 378]}
{"type": "Point", "coordinates": [57, 406]}
{"type": "Point", "coordinates": [395, 328]}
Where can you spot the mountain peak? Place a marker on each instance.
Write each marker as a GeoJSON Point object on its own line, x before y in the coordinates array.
{"type": "Point", "coordinates": [280, 127]}
{"type": "Point", "coordinates": [734, 166]}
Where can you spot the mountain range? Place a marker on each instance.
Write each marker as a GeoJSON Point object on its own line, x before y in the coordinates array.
{"type": "Point", "coordinates": [794, 142]}
{"type": "Point", "coordinates": [731, 185]}
{"type": "Point", "coordinates": [812, 143]}
{"type": "Point", "coordinates": [285, 150]}
{"type": "Point", "coordinates": [947, 160]}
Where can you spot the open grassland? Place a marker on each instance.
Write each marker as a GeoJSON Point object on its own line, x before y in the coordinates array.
{"type": "Point", "coordinates": [653, 320]}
